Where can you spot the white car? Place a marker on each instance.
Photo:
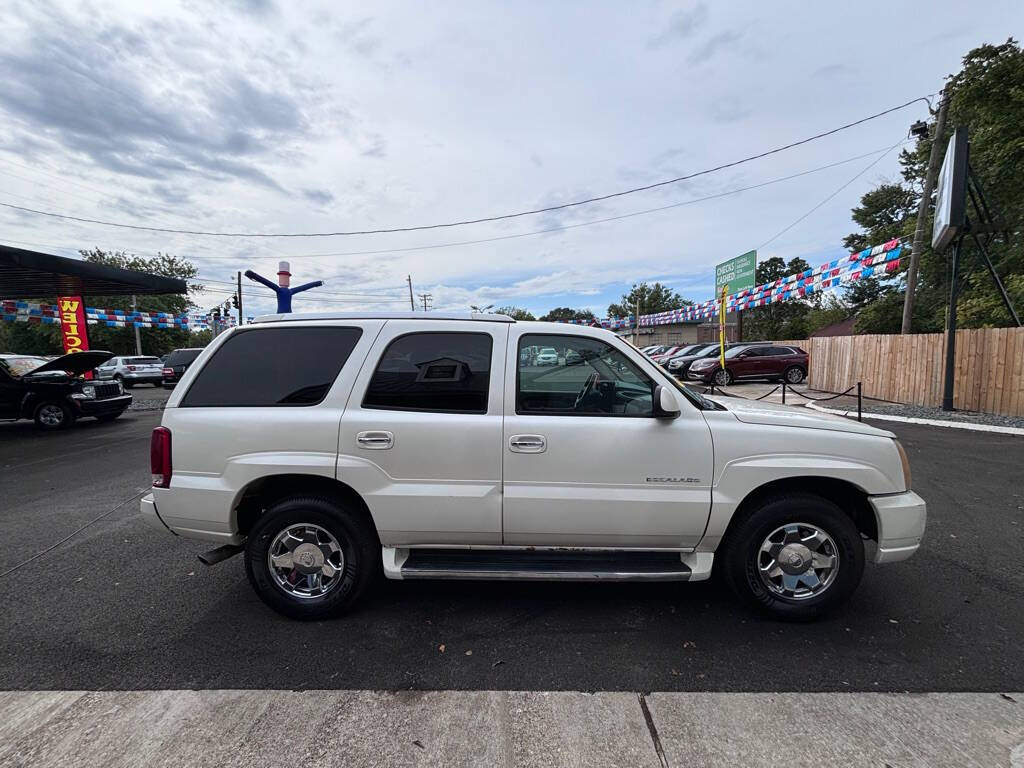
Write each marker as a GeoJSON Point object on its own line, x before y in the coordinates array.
{"type": "Point", "coordinates": [422, 446]}
{"type": "Point", "coordinates": [547, 356]}
{"type": "Point", "coordinates": [133, 370]}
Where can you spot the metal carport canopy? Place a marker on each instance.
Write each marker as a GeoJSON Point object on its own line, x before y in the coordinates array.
{"type": "Point", "coordinates": [30, 274]}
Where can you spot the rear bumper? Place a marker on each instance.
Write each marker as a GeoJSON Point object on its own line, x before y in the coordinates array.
{"type": "Point", "coordinates": [147, 505]}
{"type": "Point", "coordinates": [901, 519]}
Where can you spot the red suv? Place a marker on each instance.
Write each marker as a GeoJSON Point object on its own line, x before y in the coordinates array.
{"type": "Point", "coordinates": [758, 361]}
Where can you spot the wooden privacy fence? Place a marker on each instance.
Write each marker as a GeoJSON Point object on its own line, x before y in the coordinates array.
{"type": "Point", "coordinates": [909, 369]}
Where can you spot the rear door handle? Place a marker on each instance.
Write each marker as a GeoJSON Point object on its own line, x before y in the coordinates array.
{"type": "Point", "coordinates": [375, 439]}
{"type": "Point", "coordinates": [527, 443]}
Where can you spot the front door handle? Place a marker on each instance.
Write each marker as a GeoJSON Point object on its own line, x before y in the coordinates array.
{"type": "Point", "coordinates": [527, 443]}
{"type": "Point", "coordinates": [375, 439]}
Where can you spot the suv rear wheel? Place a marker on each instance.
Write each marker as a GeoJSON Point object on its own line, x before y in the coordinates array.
{"type": "Point", "coordinates": [796, 556]}
{"type": "Point", "coordinates": [794, 374]}
{"type": "Point", "coordinates": [722, 377]}
{"type": "Point", "coordinates": [309, 557]}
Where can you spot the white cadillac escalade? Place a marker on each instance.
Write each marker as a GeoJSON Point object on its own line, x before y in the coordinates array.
{"type": "Point", "coordinates": [332, 447]}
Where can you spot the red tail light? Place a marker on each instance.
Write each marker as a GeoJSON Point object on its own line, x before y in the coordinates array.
{"type": "Point", "coordinates": [160, 457]}
{"type": "Point", "coordinates": [168, 371]}
{"type": "Point", "coordinates": [131, 367]}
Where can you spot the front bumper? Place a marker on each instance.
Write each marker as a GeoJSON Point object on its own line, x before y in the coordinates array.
{"type": "Point", "coordinates": [700, 375]}
{"type": "Point", "coordinates": [103, 407]}
{"type": "Point", "coordinates": [901, 521]}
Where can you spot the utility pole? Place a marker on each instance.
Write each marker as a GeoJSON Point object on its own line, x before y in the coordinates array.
{"type": "Point", "coordinates": [138, 337]}
{"type": "Point", "coordinates": [412, 302]}
{"type": "Point", "coordinates": [426, 298]}
{"type": "Point", "coordinates": [920, 230]}
{"type": "Point", "coordinates": [239, 297]}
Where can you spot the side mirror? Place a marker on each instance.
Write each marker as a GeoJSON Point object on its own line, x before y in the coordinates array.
{"type": "Point", "coordinates": [666, 406]}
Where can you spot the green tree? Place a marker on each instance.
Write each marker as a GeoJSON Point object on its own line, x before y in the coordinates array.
{"type": "Point", "coordinates": [830, 311]}
{"type": "Point", "coordinates": [651, 298]}
{"type": "Point", "coordinates": [785, 320]}
{"type": "Point", "coordinates": [516, 313]}
{"type": "Point", "coordinates": [984, 96]}
{"type": "Point", "coordinates": [155, 341]}
{"type": "Point", "coordinates": [564, 314]}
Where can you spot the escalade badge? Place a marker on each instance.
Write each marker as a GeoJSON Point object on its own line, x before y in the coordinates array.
{"type": "Point", "coordinates": [673, 479]}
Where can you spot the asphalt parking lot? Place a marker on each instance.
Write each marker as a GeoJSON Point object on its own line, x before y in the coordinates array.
{"type": "Point", "coordinates": [124, 606]}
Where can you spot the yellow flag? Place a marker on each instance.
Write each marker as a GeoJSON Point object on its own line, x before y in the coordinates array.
{"type": "Point", "coordinates": [721, 327]}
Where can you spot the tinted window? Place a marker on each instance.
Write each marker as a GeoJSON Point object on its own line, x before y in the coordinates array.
{"type": "Point", "coordinates": [775, 351]}
{"type": "Point", "coordinates": [182, 357]}
{"type": "Point", "coordinates": [142, 360]}
{"type": "Point", "coordinates": [273, 366]}
{"type": "Point", "coordinates": [591, 378]}
{"type": "Point", "coordinates": [447, 372]}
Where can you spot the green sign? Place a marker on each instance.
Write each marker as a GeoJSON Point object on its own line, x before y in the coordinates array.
{"type": "Point", "coordinates": [738, 273]}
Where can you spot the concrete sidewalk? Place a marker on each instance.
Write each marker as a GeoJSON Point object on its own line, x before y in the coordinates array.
{"type": "Point", "coordinates": [487, 728]}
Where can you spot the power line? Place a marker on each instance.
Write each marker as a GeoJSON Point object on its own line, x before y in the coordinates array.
{"type": "Point", "coordinates": [564, 227]}
{"type": "Point", "coordinates": [867, 168]}
{"type": "Point", "coordinates": [482, 219]}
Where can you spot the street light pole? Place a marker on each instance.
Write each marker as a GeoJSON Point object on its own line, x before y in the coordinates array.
{"type": "Point", "coordinates": [138, 337]}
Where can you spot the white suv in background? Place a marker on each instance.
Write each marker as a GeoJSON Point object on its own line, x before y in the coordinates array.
{"type": "Point", "coordinates": [133, 370]}
{"type": "Point", "coordinates": [331, 448]}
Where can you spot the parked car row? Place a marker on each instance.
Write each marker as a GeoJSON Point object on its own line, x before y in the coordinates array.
{"type": "Point", "coordinates": [52, 392]}
{"type": "Point", "coordinates": [743, 361]}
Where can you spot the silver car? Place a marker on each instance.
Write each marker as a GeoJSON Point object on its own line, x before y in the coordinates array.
{"type": "Point", "coordinates": [133, 370]}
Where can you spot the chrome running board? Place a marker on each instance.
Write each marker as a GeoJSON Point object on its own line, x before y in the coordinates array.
{"type": "Point", "coordinates": [522, 565]}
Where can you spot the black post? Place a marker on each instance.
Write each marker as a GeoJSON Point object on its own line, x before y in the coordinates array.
{"type": "Point", "coordinates": [947, 386]}
{"type": "Point", "coordinates": [239, 299]}
{"type": "Point", "coordinates": [783, 391]}
{"type": "Point", "coordinates": [860, 408]}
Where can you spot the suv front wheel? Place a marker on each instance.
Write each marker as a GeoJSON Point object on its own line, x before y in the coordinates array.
{"type": "Point", "coordinates": [309, 557]}
{"type": "Point", "coordinates": [796, 556]}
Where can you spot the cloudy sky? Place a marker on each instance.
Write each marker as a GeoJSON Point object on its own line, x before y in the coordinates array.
{"type": "Point", "coordinates": [266, 116]}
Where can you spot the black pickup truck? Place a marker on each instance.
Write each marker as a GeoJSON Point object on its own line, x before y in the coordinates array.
{"type": "Point", "coordinates": [53, 393]}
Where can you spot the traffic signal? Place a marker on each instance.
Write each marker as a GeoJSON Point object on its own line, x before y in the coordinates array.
{"type": "Point", "coordinates": [234, 300]}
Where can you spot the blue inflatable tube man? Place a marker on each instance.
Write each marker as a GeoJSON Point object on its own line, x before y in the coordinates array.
{"type": "Point", "coordinates": [282, 289]}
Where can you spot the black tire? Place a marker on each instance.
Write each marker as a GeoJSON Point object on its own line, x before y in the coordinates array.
{"type": "Point", "coordinates": [46, 417]}
{"type": "Point", "coordinates": [738, 557]}
{"type": "Point", "coordinates": [722, 377]}
{"type": "Point", "coordinates": [357, 540]}
{"type": "Point", "coordinates": [794, 374]}
{"type": "Point", "coordinates": [125, 384]}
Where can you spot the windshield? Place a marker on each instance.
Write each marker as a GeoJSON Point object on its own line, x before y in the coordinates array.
{"type": "Point", "coordinates": [20, 366]}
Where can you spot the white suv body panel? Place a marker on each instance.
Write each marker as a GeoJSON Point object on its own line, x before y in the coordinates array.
{"type": "Point", "coordinates": [217, 452]}
{"type": "Point", "coordinates": [440, 482]}
{"type": "Point", "coordinates": [452, 479]}
{"type": "Point", "coordinates": [615, 481]}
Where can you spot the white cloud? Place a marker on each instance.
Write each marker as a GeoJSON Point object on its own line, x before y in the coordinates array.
{"type": "Point", "coordinates": [263, 116]}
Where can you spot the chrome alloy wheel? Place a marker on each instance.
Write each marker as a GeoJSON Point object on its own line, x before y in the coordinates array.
{"type": "Point", "coordinates": [306, 561]}
{"type": "Point", "coordinates": [51, 415]}
{"type": "Point", "coordinates": [798, 561]}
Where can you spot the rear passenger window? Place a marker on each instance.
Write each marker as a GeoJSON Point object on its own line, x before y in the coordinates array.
{"type": "Point", "coordinates": [448, 372]}
{"type": "Point", "coordinates": [273, 366]}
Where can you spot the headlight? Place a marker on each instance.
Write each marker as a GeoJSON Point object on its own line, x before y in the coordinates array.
{"type": "Point", "coordinates": [905, 462]}
{"type": "Point", "coordinates": [89, 391]}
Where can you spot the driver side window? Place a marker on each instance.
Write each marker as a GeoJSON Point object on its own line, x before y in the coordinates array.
{"type": "Point", "coordinates": [579, 376]}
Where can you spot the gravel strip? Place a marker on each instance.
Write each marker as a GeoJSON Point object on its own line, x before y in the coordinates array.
{"type": "Point", "coordinates": [921, 411]}
{"type": "Point", "coordinates": [147, 405]}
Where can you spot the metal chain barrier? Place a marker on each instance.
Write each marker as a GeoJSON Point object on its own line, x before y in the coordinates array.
{"type": "Point", "coordinates": [858, 386]}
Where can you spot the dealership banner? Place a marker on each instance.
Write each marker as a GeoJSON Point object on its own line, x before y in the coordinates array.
{"type": "Point", "coordinates": [877, 261]}
{"type": "Point", "coordinates": [72, 324]}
